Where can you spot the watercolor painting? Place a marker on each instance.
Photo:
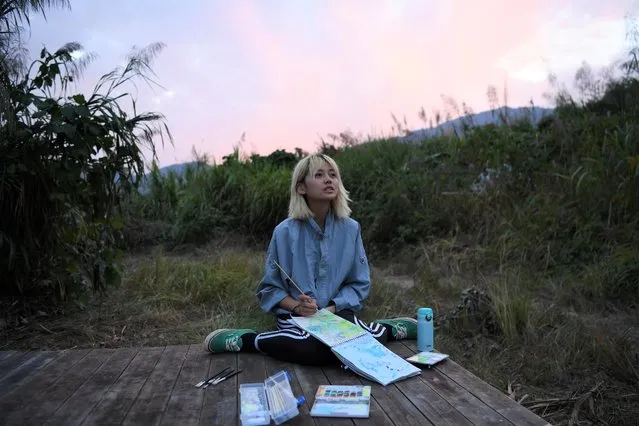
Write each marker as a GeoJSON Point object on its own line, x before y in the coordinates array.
{"type": "Point", "coordinates": [370, 358]}
{"type": "Point", "coordinates": [329, 328]}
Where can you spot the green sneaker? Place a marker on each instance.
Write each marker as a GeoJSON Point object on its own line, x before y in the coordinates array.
{"type": "Point", "coordinates": [402, 328]}
{"type": "Point", "coordinates": [225, 340]}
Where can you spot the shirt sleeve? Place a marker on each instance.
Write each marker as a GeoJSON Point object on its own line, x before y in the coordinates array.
{"type": "Point", "coordinates": [356, 287]}
{"type": "Point", "coordinates": [271, 289]}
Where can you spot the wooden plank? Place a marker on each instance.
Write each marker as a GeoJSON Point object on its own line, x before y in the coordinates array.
{"type": "Point", "coordinates": [13, 361]}
{"type": "Point", "coordinates": [393, 402]}
{"type": "Point", "coordinates": [157, 384]}
{"type": "Point", "coordinates": [121, 395]}
{"type": "Point", "coordinates": [399, 408]}
{"type": "Point", "coordinates": [6, 355]}
{"type": "Point", "coordinates": [274, 365]}
{"type": "Point", "coordinates": [338, 376]}
{"type": "Point", "coordinates": [80, 404]}
{"type": "Point", "coordinates": [185, 404]}
{"type": "Point", "coordinates": [491, 396]}
{"type": "Point", "coordinates": [154, 396]}
{"type": "Point", "coordinates": [505, 406]}
{"type": "Point", "coordinates": [41, 409]}
{"type": "Point", "coordinates": [466, 403]}
{"type": "Point", "coordinates": [310, 378]}
{"type": "Point", "coordinates": [435, 408]}
{"type": "Point", "coordinates": [220, 402]}
{"type": "Point", "coordinates": [15, 403]}
{"type": "Point", "coordinates": [34, 361]}
{"type": "Point", "coordinates": [253, 368]}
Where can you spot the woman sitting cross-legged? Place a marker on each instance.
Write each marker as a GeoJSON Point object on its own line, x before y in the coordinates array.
{"type": "Point", "coordinates": [320, 247]}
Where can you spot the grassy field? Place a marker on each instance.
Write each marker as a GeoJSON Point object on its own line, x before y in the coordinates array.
{"type": "Point", "coordinates": [533, 277]}
{"type": "Point", "coordinates": [529, 335]}
{"type": "Point", "coordinates": [533, 282]}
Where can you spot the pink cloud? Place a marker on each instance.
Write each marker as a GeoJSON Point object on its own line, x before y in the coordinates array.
{"type": "Point", "coordinates": [286, 72]}
{"type": "Point", "coordinates": [396, 58]}
{"type": "Point", "coordinates": [383, 60]}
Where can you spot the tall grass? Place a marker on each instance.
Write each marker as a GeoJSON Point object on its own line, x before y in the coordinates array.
{"type": "Point", "coordinates": [545, 253]}
{"type": "Point", "coordinates": [66, 160]}
{"type": "Point", "coordinates": [567, 198]}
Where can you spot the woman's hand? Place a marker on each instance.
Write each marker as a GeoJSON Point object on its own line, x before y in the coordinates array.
{"type": "Point", "coordinates": [306, 306]}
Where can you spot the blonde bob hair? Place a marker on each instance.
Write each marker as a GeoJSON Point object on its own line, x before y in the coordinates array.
{"type": "Point", "coordinates": [298, 207]}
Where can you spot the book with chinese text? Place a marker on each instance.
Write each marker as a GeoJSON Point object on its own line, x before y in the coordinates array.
{"type": "Point", "coordinates": [342, 401]}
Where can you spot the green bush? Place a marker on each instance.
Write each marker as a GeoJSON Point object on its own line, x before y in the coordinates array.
{"type": "Point", "coordinates": [564, 193]}
{"type": "Point", "coordinates": [66, 161]}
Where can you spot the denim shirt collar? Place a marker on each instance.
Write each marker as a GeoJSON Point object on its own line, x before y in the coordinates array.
{"type": "Point", "coordinates": [328, 224]}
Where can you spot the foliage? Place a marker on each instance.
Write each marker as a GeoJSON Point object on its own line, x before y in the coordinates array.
{"type": "Point", "coordinates": [13, 15]}
{"type": "Point", "coordinates": [554, 196]}
{"type": "Point", "coordinates": [65, 161]}
{"type": "Point", "coordinates": [244, 195]}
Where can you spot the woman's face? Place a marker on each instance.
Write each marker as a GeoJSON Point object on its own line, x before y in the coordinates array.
{"type": "Point", "coordinates": [321, 186]}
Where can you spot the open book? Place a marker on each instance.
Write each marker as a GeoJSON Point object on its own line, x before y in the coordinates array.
{"type": "Point", "coordinates": [357, 348]}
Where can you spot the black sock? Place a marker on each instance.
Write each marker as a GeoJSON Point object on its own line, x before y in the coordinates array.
{"type": "Point", "coordinates": [248, 342]}
{"type": "Point", "coordinates": [389, 333]}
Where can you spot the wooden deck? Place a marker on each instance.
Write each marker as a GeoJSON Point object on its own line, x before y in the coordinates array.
{"type": "Point", "coordinates": [156, 386]}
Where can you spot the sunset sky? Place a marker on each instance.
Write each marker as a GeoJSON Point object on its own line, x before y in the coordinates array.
{"type": "Point", "coordinates": [288, 72]}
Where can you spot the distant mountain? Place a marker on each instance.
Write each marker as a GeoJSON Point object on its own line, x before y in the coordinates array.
{"type": "Point", "coordinates": [178, 168]}
{"type": "Point", "coordinates": [479, 119]}
{"type": "Point", "coordinates": [493, 116]}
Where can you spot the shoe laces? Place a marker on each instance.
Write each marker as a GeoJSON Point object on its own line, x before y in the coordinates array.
{"type": "Point", "coordinates": [401, 331]}
{"type": "Point", "coordinates": [231, 344]}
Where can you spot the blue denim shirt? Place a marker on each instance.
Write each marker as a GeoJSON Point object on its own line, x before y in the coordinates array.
{"type": "Point", "coordinates": [329, 265]}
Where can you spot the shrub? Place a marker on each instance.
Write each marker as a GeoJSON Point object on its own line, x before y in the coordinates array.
{"type": "Point", "coordinates": [66, 161]}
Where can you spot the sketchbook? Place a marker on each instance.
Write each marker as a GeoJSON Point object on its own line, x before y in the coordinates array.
{"type": "Point", "coordinates": [357, 348]}
{"type": "Point", "coordinates": [427, 358]}
{"type": "Point", "coordinates": [342, 401]}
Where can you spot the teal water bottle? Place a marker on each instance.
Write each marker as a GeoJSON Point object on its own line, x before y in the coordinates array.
{"type": "Point", "coordinates": [425, 330]}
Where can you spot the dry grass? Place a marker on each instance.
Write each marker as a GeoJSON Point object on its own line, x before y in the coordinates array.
{"type": "Point", "coordinates": [518, 331]}
{"type": "Point", "coordinates": [532, 343]}
{"type": "Point", "coordinates": [175, 298]}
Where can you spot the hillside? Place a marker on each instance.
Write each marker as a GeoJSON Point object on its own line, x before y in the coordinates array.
{"type": "Point", "coordinates": [492, 116]}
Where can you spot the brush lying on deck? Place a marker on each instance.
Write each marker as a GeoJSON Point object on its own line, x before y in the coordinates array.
{"type": "Point", "coordinates": [218, 377]}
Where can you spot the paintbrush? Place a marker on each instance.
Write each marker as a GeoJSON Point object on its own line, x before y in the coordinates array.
{"type": "Point", "coordinates": [289, 278]}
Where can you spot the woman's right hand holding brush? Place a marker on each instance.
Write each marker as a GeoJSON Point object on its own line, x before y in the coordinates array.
{"type": "Point", "coordinates": [305, 307]}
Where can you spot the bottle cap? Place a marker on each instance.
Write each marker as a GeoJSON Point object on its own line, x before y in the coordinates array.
{"type": "Point", "coordinates": [425, 311]}
{"type": "Point", "coordinates": [300, 400]}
